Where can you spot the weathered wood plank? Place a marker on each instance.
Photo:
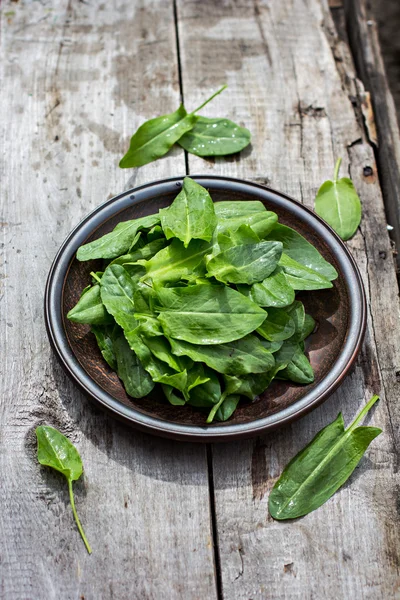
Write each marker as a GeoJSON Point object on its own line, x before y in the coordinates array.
{"type": "Point", "coordinates": [77, 79]}
{"type": "Point", "coordinates": [291, 82]}
{"type": "Point", "coordinates": [364, 41]}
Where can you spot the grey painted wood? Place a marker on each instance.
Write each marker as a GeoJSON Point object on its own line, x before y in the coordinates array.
{"type": "Point", "coordinates": [77, 78]}
{"type": "Point", "coordinates": [292, 83]}
{"type": "Point", "coordinates": [363, 36]}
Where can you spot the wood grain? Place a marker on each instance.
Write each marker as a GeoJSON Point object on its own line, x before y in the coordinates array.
{"type": "Point", "coordinates": [363, 36]}
{"type": "Point", "coordinates": [77, 79]}
{"type": "Point", "coordinates": [292, 83]}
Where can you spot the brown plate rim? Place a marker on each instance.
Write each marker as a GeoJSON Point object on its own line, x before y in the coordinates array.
{"type": "Point", "coordinates": [215, 432]}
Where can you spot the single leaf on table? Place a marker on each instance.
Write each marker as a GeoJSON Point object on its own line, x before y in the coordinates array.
{"type": "Point", "coordinates": [233, 214]}
{"type": "Point", "coordinates": [57, 452]}
{"type": "Point", "coordinates": [301, 277]}
{"type": "Point", "coordinates": [321, 468]}
{"type": "Point", "coordinates": [191, 215]}
{"type": "Point", "coordinates": [246, 355]}
{"type": "Point", "coordinates": [215, 137]}
{"type": "Point", "coordinates": [117, 293]}
{"type": "Point", "coordinates": [136, 380]}
{"type": "Point", "coordinates": [298, 369]}
{"type": "Point", "coordinates": [155, 137]}
{"type": "Point", "coordinates": [118, 241]}
{"type": "Point", "coordinates": [175, 262]}
{"type": "Point", "coordinates": [296, 247]}
{"type": "Point", "coordinates": [278, 326]}
{"type": "Point", "coordinates": [247, 263]}
{"type": "Point", "coordinates": [207, 314]}
{"type": "Point", "coordinates": [274, 291]}
{"type": "Point", "coordinates": [90, 308]}
{"type": "Point", "coordinates": [337, 202]}
{"type": "Point", "coordinates": [105, 341]}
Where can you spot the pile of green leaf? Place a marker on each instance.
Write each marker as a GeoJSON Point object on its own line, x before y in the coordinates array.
{"type": "Point", "coordinates": [200, 298]}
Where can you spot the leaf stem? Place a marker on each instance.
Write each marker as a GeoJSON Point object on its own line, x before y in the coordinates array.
{"type": "Point", "coordinates": [215, 408]}
{"type": "Point", "coordinates": [71, 499]}
{"type": "Point", "coordinates": [95, 276]}
{"type": "Point", "coordinates": [336, 171]}
{"type": "Point", "coordinates": [209, 100]}
{"type": "Point", "coordinates": [362, 414]}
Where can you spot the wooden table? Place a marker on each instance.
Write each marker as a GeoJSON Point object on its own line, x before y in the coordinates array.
{"type": "Point", "coordinates": [170, 520]}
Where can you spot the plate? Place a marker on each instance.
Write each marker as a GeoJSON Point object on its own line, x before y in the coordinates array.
{"type": "Point", "coordinates": [340, 313]}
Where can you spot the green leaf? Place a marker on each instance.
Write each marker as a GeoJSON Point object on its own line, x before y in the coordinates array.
{"type": "Point", "coordinates": [57, 452]}
{"type": "Point", "coordinates": [338, 203]}
{"type": "Point", "coordinates": [247, 263]}
{"type": "Point", "coordinates": [227, 408]}
{"type": "Point", "coordinates": [321, 468]}
{"type": "Point", "coordinates": [246, 355]}
{"type": "Point", "coordinates": [191, 215]}
{"type": "Point", "coordinates": [298, 369]}
{"type": "Point", "coordinates": [104, 338]}
{"type": "Point", "coordinates": [175, 262]}
{"type": "Point", "coordinates": [136, 380]}
{"type": "Point", "coordinates": [171, 395]}
{"type": "Point", "coordinates": [155, 233]}
{"type": "Point", "coordinates": [207, 314]}
{"type": "Point", "coordinates": [296, 247]}
{"type": "Point", "coordinates": [196, 376]}
{"type": "Point", "coordinates": [233, 214]}
{"type": "Point", "coordinates": [297, 313]}
{"type": "Point", "coordinates": [155, 137]}
{"type": "Point", "coordinates": [90, 308]}
{"type": "Point", "coordinates": [308, 327]}
{"type": "Point", "coordinates": [207, 394]}
{"type": "Point", "coordinates": [118, 241]}
{"type": "Point", "coordinates": [278, 326]}
{"type": "Point", "coordinates": [271, 346]}
{"type": "Point", "coordinates": [227, 239]}
{"type": "Point", "coordinates": [274, 291]}
{"type": "Point", "coordinates": [117, 293]}
{"type": "Point", "coordinates": [301, 277]}
{"type": "Point", "coordinates": [215, 137]}
{"type": "Point", "coordinates": [159, 370]}
{"type": "Point", "coordinates": [144, 253]}
{"type": "Point", "coordinates": [161, 349]}
{"type": "Point", "coordinates": [284, 355]}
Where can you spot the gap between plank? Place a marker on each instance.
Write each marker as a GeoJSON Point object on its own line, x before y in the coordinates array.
{"type": "Point", "coordinates": [214, 530]}
{"type": "Point", "coordinates": [178, 54]}
{"type": "Point", "coordinates": [211, 489]}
